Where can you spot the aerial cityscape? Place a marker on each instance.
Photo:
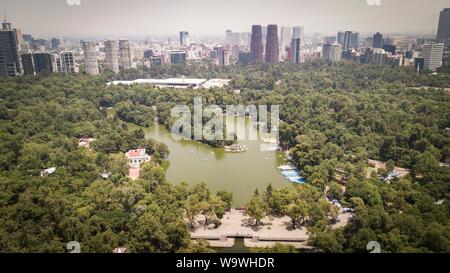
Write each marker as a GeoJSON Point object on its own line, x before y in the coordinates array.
{"type": "Point", "coordinates": [313, 132]}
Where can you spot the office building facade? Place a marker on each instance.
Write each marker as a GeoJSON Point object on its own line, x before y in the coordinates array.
{"type": "Point", "coordinates": [90, 58]}
{"type": "Point", "coordinates": [272, 49]}
{"type": "Point", "coordinates": [432, 55]}
{"type": "Point", "coordinates": [112, 55]}
{"type": "Point", "coordinates": [256, 44]}
{"type": "Point", "coordinates": [124, 54]}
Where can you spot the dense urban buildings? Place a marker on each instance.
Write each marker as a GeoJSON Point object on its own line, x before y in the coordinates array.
{"type": "Point", "coordinates": [112, 55]}
{"type": "Point", "coordinates": [90, 58]}
{"type": "Point", "coordinates": [272, 49]}
{"type": "Point", "coordinates": [443, 32]}
{"type": "Point", "coordinates": [256, 44]}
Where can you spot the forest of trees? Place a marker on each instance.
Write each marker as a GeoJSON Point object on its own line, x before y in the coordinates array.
{"type": "Point", "coordinates": [334, 117]}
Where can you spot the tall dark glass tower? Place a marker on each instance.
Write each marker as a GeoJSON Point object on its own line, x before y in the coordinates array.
{"type": "Point", "coordinates": [378, 40]}
{"type": "Point", "coordinates": [256, 44]}
{"type": "Point", "coordinates": [272, 50]}
{"type": "Point", "coordinates": [443, 33]}
{"type": "Point", "coordinates": [9, 52]}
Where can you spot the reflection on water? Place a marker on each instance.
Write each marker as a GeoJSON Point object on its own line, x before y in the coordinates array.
{"type": "Point", "coordinates": [238, 173]}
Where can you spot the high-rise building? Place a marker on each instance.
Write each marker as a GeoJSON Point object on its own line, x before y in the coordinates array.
{"type": "Point", "coordinates": [9, 53]}
{"type": "Point", "coordinates": [43, 63]}
{"type": "Point", "coordinates": [184, 38]}
{"type": "Point", "coordinates": [124, 54]}
{"type": "Point", "coordinates": [432, 54]}
{"type": "Point", "coordinates": [285, 39]}
{"type": "Point", "coordinates": [228, 34]}
{"type": "Point", "coordinates": [379, 56]}
{"type": "Point", "coordinates": [256, 44]}
{"type": "Point", "coordinates": [295, 50]}
{"type": "Point", "coordinates": [56, 43]}
{"type": "Point", "coordinates": [90, 58]}
{"type": "Point", "coordinates": [335, 52]}
{"type": "Point", "coordinates": [223, 57]}
{"type": "Point", "coordinates": [19, 39]}
{"type": "Point", "coordinates": [65, 62]}
{"type": "Point", "coordinates": [377, 40]}
{"type": "Point", "coordinates": [112, 55]}
{"type": "Point", "coordinates": [27, 64]}
{"type": "Point", "coordinates": [326, 50]}
{"type": "Point", "coordinates": [272, 49]}
{"type": "Point", "coordinates": [351, 40]}
{"type": "Point", "coordinates": [341, 38]}
{"type": "Point", "coordinates": [178, 57]}
{"type": "Point", "coordinates": [443, 33]}
{"type": "Point", "coordinates": [245, 58]}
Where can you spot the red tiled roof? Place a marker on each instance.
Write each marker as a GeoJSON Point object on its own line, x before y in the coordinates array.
{"type": "Point", "coordinates": [136, 153]}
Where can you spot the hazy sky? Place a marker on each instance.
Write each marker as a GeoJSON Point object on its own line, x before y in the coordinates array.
{"type": "Point", "coordinates": [199, 17]}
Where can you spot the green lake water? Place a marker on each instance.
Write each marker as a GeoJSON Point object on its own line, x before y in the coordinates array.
{"type": "Point", "coordinates": [238, 173]}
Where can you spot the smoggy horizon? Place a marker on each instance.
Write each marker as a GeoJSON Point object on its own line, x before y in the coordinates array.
{"type": "Point", "coordinates": [211, 17]}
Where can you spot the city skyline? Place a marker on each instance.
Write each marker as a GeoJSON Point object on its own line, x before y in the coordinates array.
{"type": "Point", "coordinates": [168, 17]}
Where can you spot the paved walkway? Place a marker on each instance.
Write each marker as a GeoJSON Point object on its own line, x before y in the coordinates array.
{"type": "Point", "coordinates": [272, 230]}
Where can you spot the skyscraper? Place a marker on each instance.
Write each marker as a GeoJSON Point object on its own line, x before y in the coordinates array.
{"type": "Point", "coordinates": [112, 55]}
{"type": "Point", "coordinates": [432, 54]}
{"type": "Point", "coordinates": [9, 53]}
{"type": "Point", "coordinates": [285, 39]}
{"type": "Point", "coordinates": [184, 38]}
{"type": "Point", "coordinates": [124, 54]}
{"type": "Point", "coordinates": [256, 44]}
{"type": "Point", "coordinates": [326, 50]}
{"type": "Point", "coordinates": [90, 58]}
{"type": "Point", "coordinates": [443, 33]}
{"type": "Point", "coordinates": [295, 50]}
{"type": "Point", "coordinates": [335, 52]}
{"type": "Point", "coordinates": [228, 36]}
{"type": "Point", "coordinates": [27, 63]}
{"type": "Point", "coordinates": [272, 49]}
{"type": "Point", "coordinates": [43, 63]}
{"type": "Point", "coordinates": [378, 40]}
{"type": "Point", "coordinates": [66, 62]}
{"type": "Point", "coordinates": [341, 38]}
{"type": "Point", "coordinates": [351, 40]}
{"type": "Point", "coordinates": [55, 43]}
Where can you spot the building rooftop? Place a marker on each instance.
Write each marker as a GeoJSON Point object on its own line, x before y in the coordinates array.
{"type": "Point", "coordinates": [176, 82]}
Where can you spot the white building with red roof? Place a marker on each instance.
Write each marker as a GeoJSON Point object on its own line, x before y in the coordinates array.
{"type": "Point", "coordinates": [136, 157]}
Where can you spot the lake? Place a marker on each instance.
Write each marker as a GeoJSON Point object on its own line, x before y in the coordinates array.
{"type": "Point", "coordinates": [239, 173]}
